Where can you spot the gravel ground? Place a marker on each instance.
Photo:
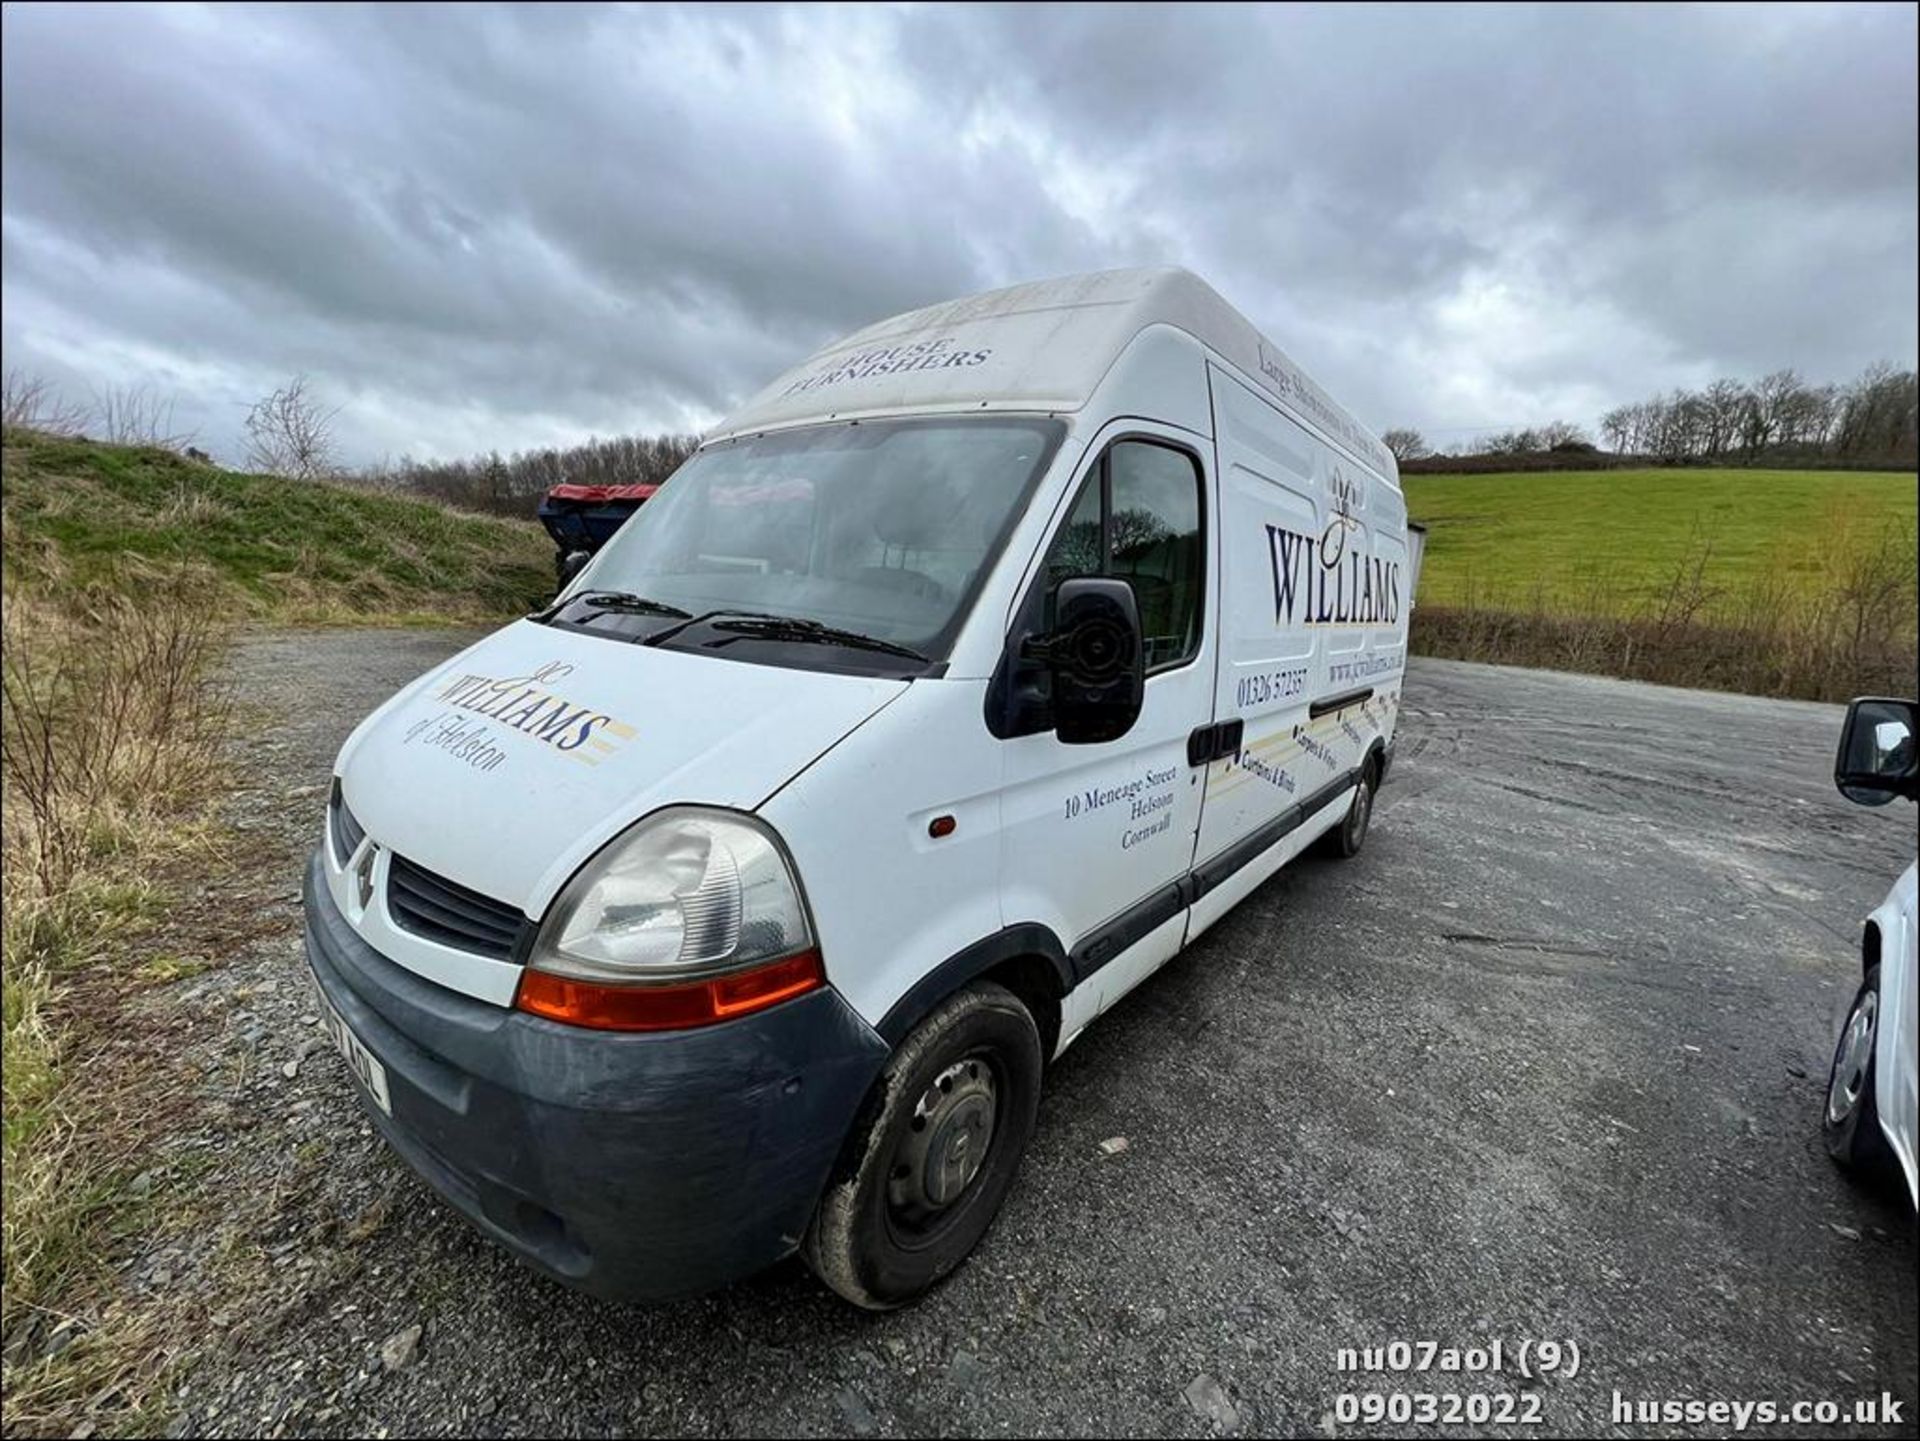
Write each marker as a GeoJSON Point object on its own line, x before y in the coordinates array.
{"type": "Point", "coordinates": [1545, 1062]}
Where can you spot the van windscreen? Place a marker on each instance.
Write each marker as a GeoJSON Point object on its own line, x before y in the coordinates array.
{"type": "Point", "coordinates": [879, 528]}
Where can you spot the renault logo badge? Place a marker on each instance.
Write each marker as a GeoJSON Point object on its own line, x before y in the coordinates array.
{"type": "Point", "coordinates": [363, 876]}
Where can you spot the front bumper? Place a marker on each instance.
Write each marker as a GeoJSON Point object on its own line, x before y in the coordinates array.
{"type": "Point", "coordinates": [643, 1166]}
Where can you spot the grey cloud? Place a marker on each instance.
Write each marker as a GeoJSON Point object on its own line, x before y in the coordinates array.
{"type": "Point", "coordinates": [504, 226]}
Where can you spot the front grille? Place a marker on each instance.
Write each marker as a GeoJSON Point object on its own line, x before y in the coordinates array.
{"type": "Point", "coordinates": [347, 832]}
{"type": "Point", "coordinates": [435, 908]}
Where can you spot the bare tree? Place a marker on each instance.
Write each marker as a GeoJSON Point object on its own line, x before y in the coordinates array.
{"type": "Point", "coordinates": [32, 403]}
{"type": "Point", "coordinates": [1682, 426]}
{"type": "Point", "coordinates": [1405, 443]}
{"type": "Point", "coordinates": [290, 433]}
{"type": "Point", "coordinates": [1724, 404]}
{"type": "Point", "coordinates": [1810, 416]}
{"type": "Point", "coordinates": [1563, 435]}
{"type": "Point", "coordinates": [1770, 398]}
{"type": "Point", "coordinates": [1511, 442]}
{"type": "Point", "coordinates": [1878, 414]}
{"type": "Point", "coordinates": [137, 415]}
{"type": "Point", "coordinates": [1617, 427]}
{"type": "Point", "coordinates": [1649, 423]}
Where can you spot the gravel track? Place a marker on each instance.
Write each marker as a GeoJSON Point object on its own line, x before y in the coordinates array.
{"type": "Point", "coordinates": [1546, 1061]}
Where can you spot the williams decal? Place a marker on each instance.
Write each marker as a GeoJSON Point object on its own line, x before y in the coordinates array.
{"type": "Point", "coordinates": [525, 705]}
{"type": "Point", "coordinates": [1320, 580]}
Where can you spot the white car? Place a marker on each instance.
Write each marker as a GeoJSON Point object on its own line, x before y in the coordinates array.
{"type": "Point", "coordinates": [1869, 1121]}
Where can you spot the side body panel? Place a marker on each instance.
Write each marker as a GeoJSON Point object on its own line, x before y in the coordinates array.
{"type": "Point", "coordinates": [1896, 1082]}
{"type": "Point", "coordinates": [892, 903]}
{"type": "Point", "coordinates": [1096, 846]}
{"type": "Point", "coordinates": [889, 901]}
{"type": "Point", "coordinates": [1313, 575]}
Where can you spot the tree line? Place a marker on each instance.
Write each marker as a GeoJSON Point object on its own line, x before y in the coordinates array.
{"type": "Point", "coordinates": [1780, 416]}
{"type": "Point", "coordinates": [1555, 435]}
{"type": "Point", "coordinates": [513, 484]}
{"type": "Point", "coordinates": [1871, 418]}
{"type": "Point", "coordinates": [290, 432]}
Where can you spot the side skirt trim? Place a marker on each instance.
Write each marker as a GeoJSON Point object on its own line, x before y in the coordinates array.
{"type": "Point", "coordinates": [1109, 939]}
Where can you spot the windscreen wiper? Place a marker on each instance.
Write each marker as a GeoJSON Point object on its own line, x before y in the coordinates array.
{"type": "Point", "coordinates": [627, 600]}
{"type": "Point", "coordinates": [782, 627]}
{"type": "Point", "coordinates": [767, 626]}
{"type": "Point", "coordinates": [621, 600]}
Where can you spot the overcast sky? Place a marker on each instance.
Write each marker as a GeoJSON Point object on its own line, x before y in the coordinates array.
{"type": "Point", "coordinates": [480, 228]}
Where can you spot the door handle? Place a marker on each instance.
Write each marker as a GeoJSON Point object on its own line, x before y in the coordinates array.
{"type": "Point", "coordinates": [1200, 743]}
{"type": "Point", "coordinates": [1209, 743]}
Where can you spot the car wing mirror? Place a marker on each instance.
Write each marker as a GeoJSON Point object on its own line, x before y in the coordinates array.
{"type": "Point", "coordinates": [1097, 658]}
{"type": "Point", "coordinates": [1879, 755]}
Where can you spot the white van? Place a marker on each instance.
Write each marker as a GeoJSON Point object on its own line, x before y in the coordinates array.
{"type": "Point", "coordinates": [732, 904]}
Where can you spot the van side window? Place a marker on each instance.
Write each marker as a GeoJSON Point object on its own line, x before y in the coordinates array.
{"type": "Point", "coordinates": [1138, 517]}
{"type": "Point", "coordinates": [1077, 548]}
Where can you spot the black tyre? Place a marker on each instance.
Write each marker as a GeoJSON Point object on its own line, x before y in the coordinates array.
{"type": "Point", "coordinates": [1851, 1120]}
{"type": "Point", "coordinates": [1345, 839]}
{"type": "Point", "coordinates": [933, 1154]}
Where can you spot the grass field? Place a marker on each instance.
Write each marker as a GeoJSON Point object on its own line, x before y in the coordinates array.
{"type": "Point", "coordinates": [80, 514]}
{"type": "Point", "coordinates": [1787, 583]}
{"type": "Point", "coordinates": [1613, 540]}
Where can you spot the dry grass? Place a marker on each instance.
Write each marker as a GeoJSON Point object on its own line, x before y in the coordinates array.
{"type": "Point", "coordinates": [109, 735]}
{"type": "Point", "coordinates": [124, 566]}
{"type": "Point", "coordinates": [1769, 633]}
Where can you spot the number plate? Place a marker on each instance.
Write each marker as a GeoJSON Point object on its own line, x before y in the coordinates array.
{"type": "Point", "coordinates": [366, 1066]}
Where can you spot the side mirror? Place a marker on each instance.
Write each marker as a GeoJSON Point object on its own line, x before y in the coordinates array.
{"type": "Point", "coordinates": [1877, 759]}
{"type": "Point", "coordinates": [1097, 658]}
{"type": "Point", "coordinates": [571, 564]}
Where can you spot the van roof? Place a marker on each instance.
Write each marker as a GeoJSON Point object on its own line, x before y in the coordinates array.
{"type": "Point", "coordinates": [1042, 346]}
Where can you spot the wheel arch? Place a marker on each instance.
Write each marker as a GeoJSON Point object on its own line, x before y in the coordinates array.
{"type": "Point", "coordinates": [1377, 757]}
{"type": "Point", "coordinates": [1027, 959]}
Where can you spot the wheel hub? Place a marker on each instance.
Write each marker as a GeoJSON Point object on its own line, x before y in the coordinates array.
{"type": "Point", "coordinates": [1851, 1061]}
{"type": "Point", "coordinates": [946, 1142]}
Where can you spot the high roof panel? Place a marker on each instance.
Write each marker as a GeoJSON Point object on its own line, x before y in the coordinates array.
{"type": "Point", "coordinates": [1043, 346]}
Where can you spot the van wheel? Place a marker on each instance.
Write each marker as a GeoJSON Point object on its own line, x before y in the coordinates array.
{"type": "Point", "coordinates": [1346, 838]}
{"type": "Point", "coordinates": [929, 1164]}
{"type": "Point", "coordinates": [1851, 1122]}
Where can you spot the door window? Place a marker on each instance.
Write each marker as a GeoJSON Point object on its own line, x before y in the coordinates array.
{"type": "Point", "coordinates": [1138, 517]}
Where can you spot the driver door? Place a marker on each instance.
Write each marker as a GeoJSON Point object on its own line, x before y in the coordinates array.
{"type": "Point", "coordinates": [1096, 838]}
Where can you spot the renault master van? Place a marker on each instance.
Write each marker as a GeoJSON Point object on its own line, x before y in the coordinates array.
{"type": "Point", "coordinates": [734, 904]}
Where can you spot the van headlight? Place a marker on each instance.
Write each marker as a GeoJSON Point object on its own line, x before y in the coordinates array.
{"type": "Point", "coordinates": [690, 917]}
